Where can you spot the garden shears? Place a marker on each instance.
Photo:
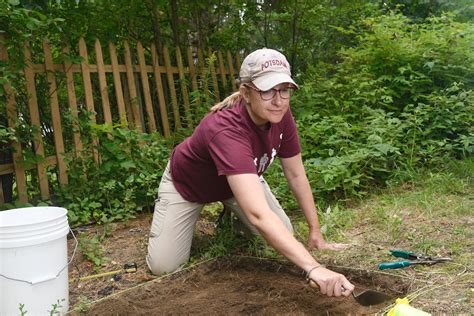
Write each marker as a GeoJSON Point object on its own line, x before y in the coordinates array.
{"type": "Point", "coordinates": [413, 259]}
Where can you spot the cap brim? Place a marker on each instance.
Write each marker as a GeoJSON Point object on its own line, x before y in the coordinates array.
{"type": "Point", "coordinates": [269, 80]}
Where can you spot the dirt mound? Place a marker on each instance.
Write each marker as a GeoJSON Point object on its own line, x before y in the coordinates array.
{"type": "Point", "coordinates": [235, 285]}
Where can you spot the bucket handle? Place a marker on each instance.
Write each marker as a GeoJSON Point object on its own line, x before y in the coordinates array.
{"type": "Point", "coordinates": [51, 277]}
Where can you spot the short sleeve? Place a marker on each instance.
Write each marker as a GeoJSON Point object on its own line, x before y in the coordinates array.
{"type": "Point", "coordinates": [290, 144]}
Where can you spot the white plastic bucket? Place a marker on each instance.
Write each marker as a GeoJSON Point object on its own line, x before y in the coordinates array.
{"type": "Point", "coordinates": [33, 261]}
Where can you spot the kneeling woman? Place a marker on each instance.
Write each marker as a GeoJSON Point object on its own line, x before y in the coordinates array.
{"type": "Point", "coordinates": [224, 159]}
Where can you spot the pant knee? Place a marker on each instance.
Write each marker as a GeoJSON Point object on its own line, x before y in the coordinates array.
{"type": "Point", "coordinates": [158, 267]}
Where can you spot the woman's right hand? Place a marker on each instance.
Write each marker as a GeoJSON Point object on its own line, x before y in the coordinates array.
{"type": "Point", "coordinates": [331, 283]}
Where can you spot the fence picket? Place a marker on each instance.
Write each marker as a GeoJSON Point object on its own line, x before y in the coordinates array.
{"type": "Point", "coordinates": [117, 84]}
{"type": "Point", "coordinates": [132, 89]}
{"type": "Point", "coordinates": [35, 123]}
{"type": "Point", "coordinates": [72, 102]}
{"type": "Point", "coordinates": [159, 88]}
{"type": "Point", "coordinates": [204, 75]}
{"type": "Point", "coordinates": [174, 98]}
{"type": "Point", "coordinates": [12, 117]}
{"type": "Point", "coordinates": [184, 89]}
{"type": "Point", "coordinates": [128, 105]}
{"type": "Point", "coordinates": [146, 89]}
{"type": "Point", "coordinates": [212, 69]}
{"type": "Point", "coordinates": [86, 80]}
{"type": "Point", "coordinates": [222, 72]}
{"type": "Point", "coordinates": [55, 114]}
{"type": "Point", "coordinates": [231, 71]}
{"type": "Point", "coordinates": [193, 76]}
{"type": "Point", "coordinates": [104, 94]}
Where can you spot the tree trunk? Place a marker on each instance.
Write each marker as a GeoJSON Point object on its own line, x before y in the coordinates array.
{"type": "Point", "coordinates": [156, 26]}
{"type": "Point", "coordinates": [175, 22]}
{"type": "Point", "coordinates": [294, 39]}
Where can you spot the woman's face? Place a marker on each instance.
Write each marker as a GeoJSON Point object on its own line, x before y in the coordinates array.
{"type": "Point", "coordinates": [263, 111]}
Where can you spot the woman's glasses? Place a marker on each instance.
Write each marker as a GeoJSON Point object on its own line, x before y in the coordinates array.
{"type": "Point", "coordinates": [268, 95]}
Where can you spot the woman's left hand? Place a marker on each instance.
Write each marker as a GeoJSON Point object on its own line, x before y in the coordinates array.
{"type": "Point", "coordinates": [317, 241]}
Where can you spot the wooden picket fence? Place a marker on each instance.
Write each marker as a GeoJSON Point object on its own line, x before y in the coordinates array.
{"type": "Point", "coordinates": [150, 92]}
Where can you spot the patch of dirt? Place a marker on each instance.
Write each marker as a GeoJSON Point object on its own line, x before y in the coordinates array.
{"type": "Point", "coordinates": [235, 285]}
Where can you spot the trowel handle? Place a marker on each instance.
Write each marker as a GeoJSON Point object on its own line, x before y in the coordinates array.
{"type": "Point", "coordinates": [395, 265]}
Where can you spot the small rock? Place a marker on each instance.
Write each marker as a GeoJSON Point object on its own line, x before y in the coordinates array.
{"type": "Point", "coordinates": [106, 290]}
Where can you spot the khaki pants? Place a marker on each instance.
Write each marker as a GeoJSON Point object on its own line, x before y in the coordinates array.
{"type": "Point", "coordinates": [174, 220]}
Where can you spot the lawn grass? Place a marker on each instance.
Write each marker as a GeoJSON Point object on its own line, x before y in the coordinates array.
{"type": "Point", "coordinates": [430, 213]}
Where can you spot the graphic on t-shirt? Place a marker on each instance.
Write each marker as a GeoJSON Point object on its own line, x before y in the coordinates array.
{"type": "Point", "coordinates": [263, 162]}
{"type": "Point", "coordinates": [274, 153]}
{"type": "Point", "coordinates": [264, 159]}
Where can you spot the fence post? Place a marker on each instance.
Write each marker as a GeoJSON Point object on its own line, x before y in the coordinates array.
{"type": "Point", "coordinates": [12, 116]}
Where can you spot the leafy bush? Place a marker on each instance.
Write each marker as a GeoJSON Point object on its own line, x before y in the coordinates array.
{"type": "Point", "coordinates": [396, 63]}
{"type": "Point", "coordinates": [348, 153]}
{"type": "Point", "coordinates": [399, 100]}
{"type": "Point", "coordinates": [125, 180]}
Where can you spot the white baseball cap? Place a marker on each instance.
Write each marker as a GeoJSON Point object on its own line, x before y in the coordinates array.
{"type": "Point", "coordinates": [266, 68]}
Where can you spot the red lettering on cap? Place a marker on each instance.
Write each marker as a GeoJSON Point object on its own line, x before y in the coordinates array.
{"type": "Point", "coordinates": [273, 62]}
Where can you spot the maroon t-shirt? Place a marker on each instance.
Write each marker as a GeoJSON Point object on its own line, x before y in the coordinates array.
{"type": "Point", "coordinates": [226, 143]}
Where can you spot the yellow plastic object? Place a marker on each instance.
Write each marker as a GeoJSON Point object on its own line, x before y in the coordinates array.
{"type": "Point", "coordinates": [402, 308]}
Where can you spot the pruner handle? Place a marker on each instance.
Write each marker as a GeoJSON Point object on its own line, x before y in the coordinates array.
{"type": "Point", "coordinates": [394, 265]}
{"type": "Point", "coordinates": [404, 254]}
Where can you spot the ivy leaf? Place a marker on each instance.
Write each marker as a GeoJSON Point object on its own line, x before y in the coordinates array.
{"type": "Point", "coordinates": [128, 165]}
{"type": "Point", "coordinates": [429, 65]}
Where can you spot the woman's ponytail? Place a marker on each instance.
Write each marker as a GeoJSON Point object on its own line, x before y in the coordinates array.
{"type": "Point", "coordinates": [227, 102]}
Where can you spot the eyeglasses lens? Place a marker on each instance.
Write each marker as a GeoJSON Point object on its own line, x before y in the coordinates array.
{"type": "Point", "coordinates": [270, 94]}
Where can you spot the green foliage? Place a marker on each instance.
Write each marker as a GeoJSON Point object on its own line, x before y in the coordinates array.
{"type": "Point", "coordinates": [83, 305]}
{"type": "Point", "coordinates": [124, 182]}
{"type": "Point", "coordinates": [91, 249]}
{"type": "Point", "coordinates": [224, 241]}
{"type": "Point", "coordinates": [19, 25]}
{"type": "Point", "coordinates": [399, 100]}
{"type": "Point", "coordinates": [397, 63]}
{"type": "Point", "coordinates": [22, 309]}
{"type": "Point", "coordinates": [56, 307]}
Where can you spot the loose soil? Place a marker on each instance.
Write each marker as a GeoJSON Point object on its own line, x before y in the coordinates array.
{"type": "Point", "coordinates": [232, 285]}
{"type": "Point", "coordinates": [235, 285]}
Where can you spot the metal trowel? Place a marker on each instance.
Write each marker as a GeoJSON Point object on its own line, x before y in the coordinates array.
{"type": "Point", "coordinates": [364, 298]}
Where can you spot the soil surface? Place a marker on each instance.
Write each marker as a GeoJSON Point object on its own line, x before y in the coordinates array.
{"type": "Point", "coordinates": [235, 285]}
{"type": "Point", "coordinates": [232, 285]}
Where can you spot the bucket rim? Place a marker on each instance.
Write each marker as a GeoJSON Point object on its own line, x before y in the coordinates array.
{"type": "Point", "coordinates": [61, 212]}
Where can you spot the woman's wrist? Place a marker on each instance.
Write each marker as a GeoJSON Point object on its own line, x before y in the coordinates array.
{"type": "Point", "coordinates": [311, 270]}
